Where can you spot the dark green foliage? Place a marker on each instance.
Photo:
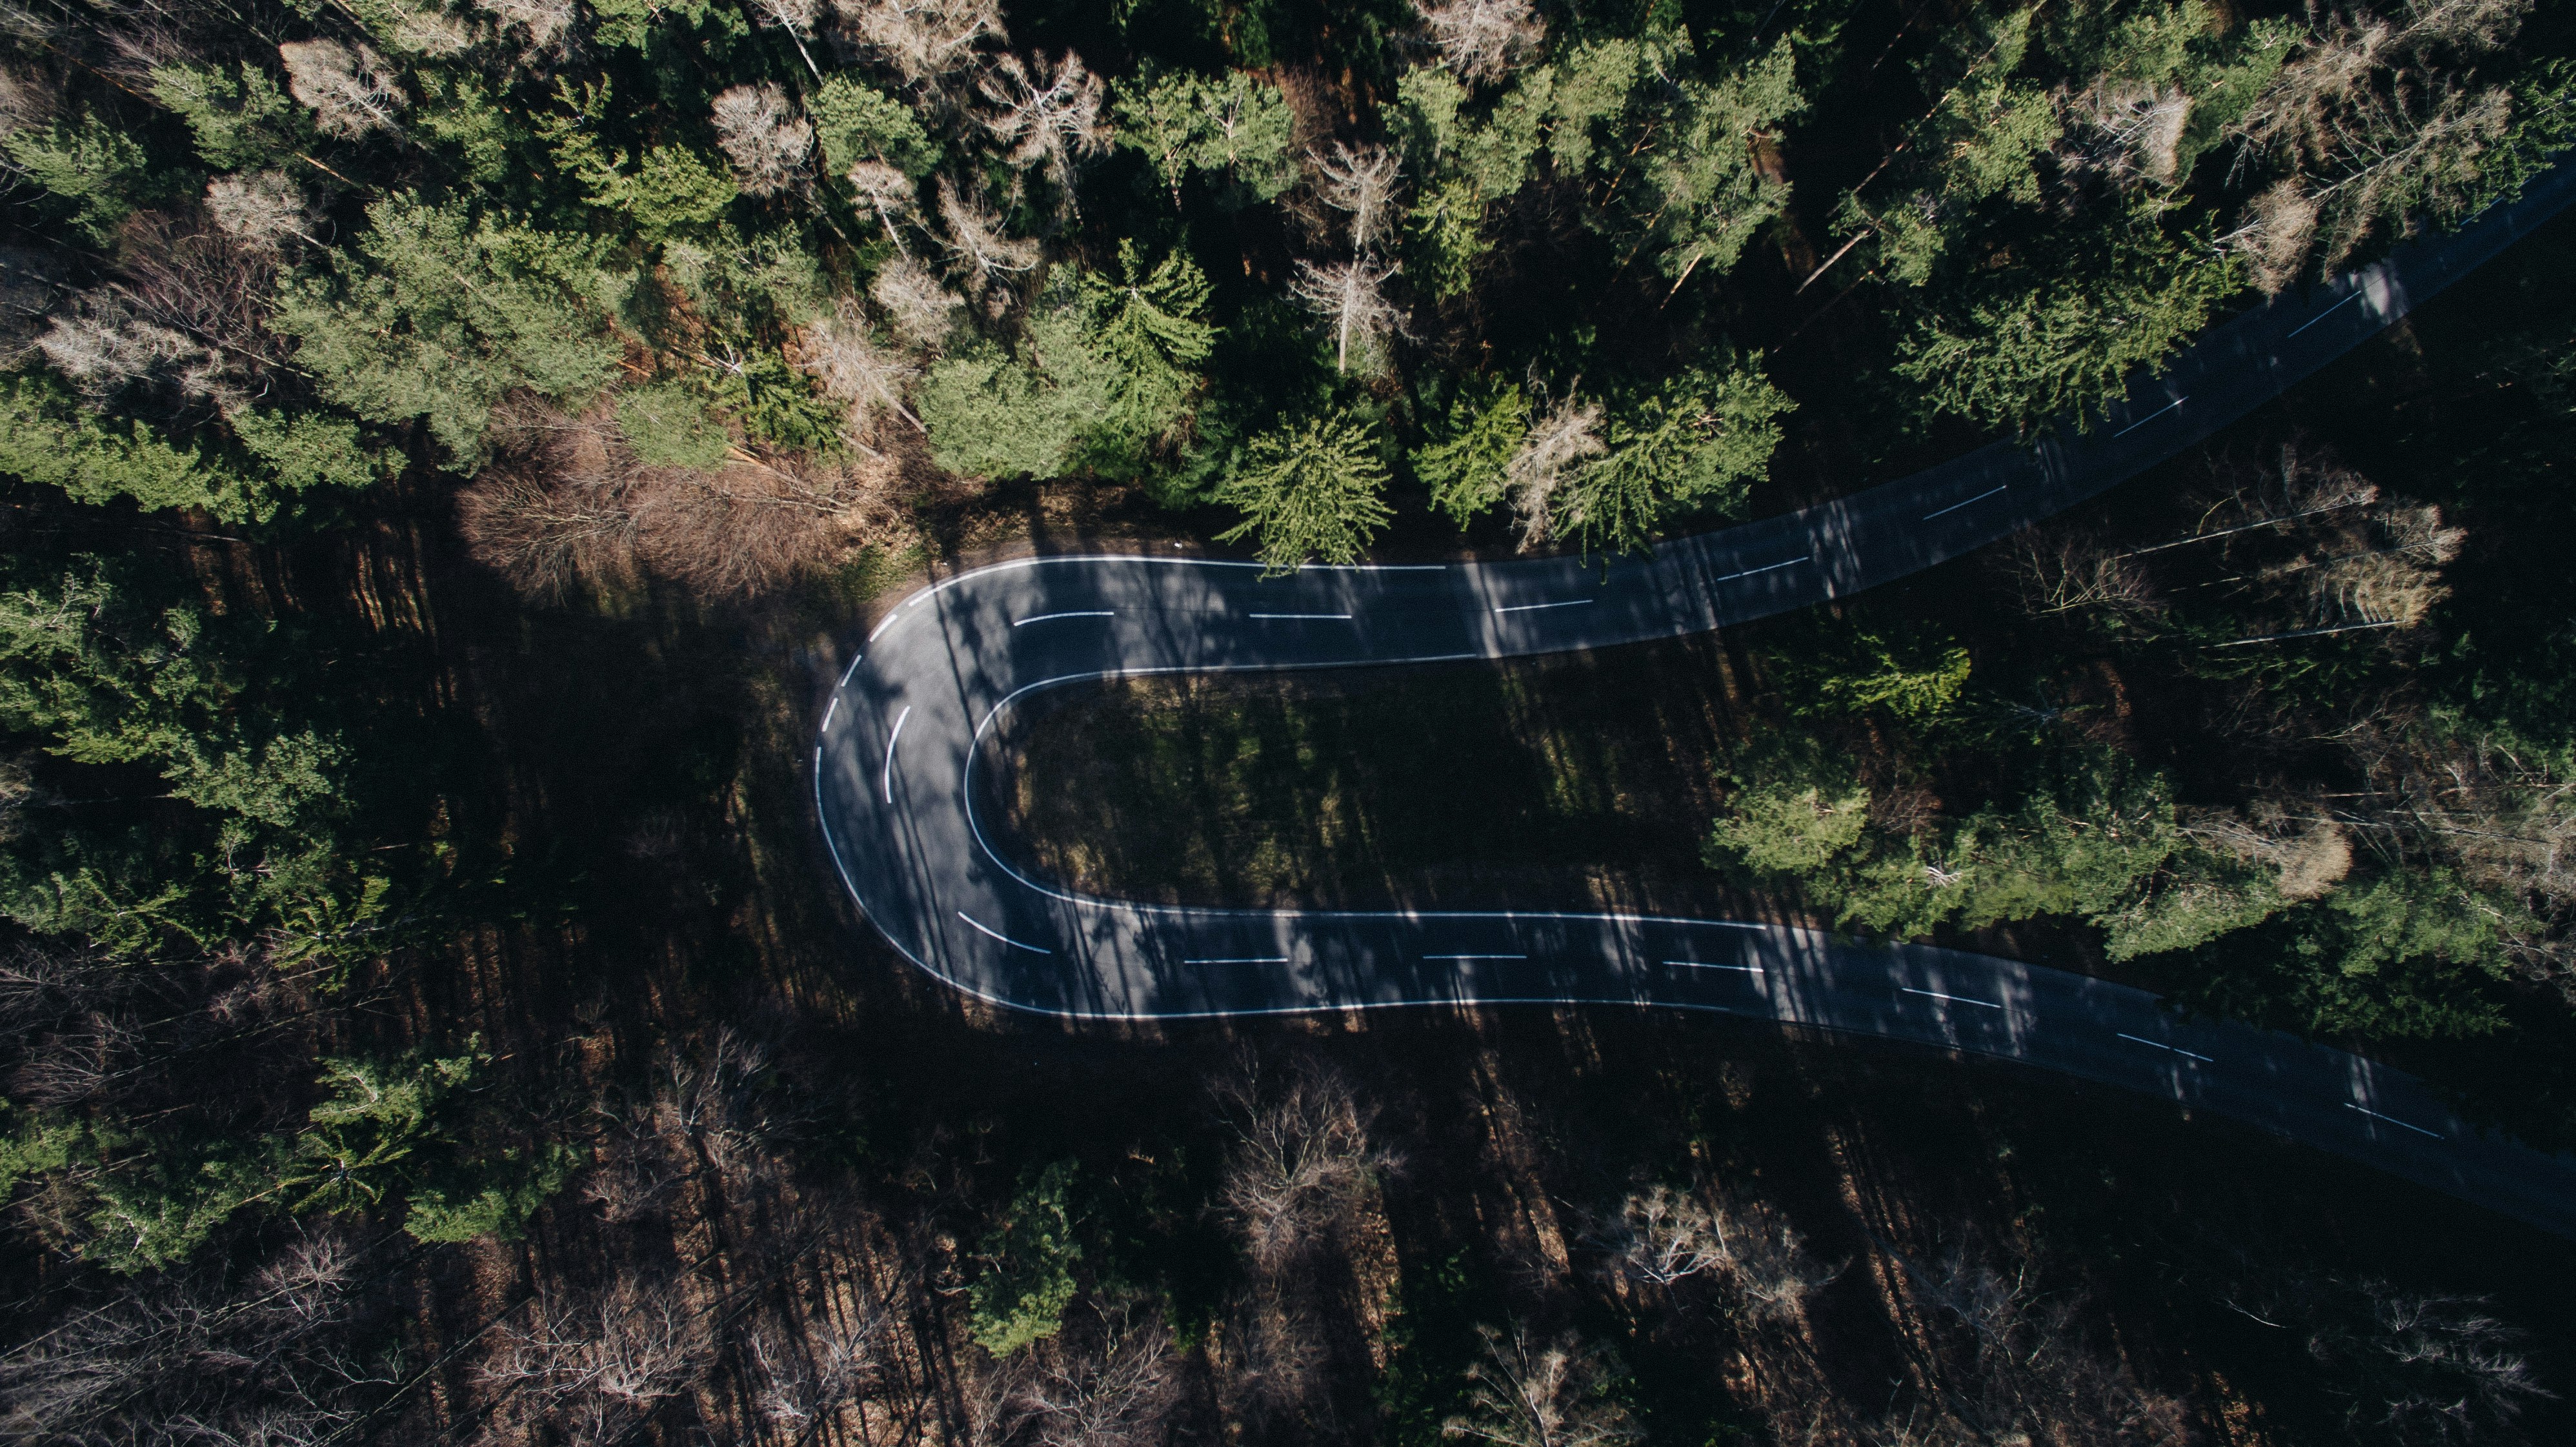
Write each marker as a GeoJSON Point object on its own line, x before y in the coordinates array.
{"type": "Point", "coordinates": [1310, 490]}
{"type": "Point", "coordinates": [1029, 1258]}
{"type": "Point", "coordinates": [1106, 372]}
{"type": "Point", "coordinates": [380, 1132]}
{"type": "Point", "coordinates": [1694, 445]}
{"type": "Point", "coordinates": [855, 122]}
{"type": "Point", "coordinates": [242, 119]}
{"type": "Point", "coordinates": [1235, 127]}
{"type": "Point", "coordinates": [436, 314]}
{"type": "Point", "coordinates": [2058, 336]}
{"type": "Point", "coordinates": [2100, 841]}
{"type": "Point", "coordinates": [776, 404]}
{"type": "Point", "coordinates": [98, 170]}
{"type": "Point", "coordinates": [1466, 467]}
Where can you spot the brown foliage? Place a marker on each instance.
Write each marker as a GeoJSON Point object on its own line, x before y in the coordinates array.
{"type": "Point", "coordinates": [567, 500]}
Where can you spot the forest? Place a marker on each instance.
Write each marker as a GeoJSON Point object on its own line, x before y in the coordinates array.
{"type": "Point", "coordinates": [448, 449]}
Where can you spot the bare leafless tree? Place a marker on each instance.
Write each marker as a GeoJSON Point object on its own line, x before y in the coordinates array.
{"type": "Point", "coordinates": [1360, 182]}
{"type": "Point", "coordinates": [425, 30]}
{"type": "Point", "coordinates": [921, 311]}
{"type": "Point", "coordinates": [2124, 131]}
{"type": "Point", "coordinates": [761, 134]}
{"type": "Point", "coordinates": [1483, 39]}
{"type": "Point", "coordinates": [543, 26]}
{"type": "Point", "coordinates": [259, 210]}
{"type": "Point", "coordinates": [1563, 437]}
{"type": "Point", "coordinates": [2275, 234]}
{"type": "Point", "coordinates": [1110, 1380]}
{"type": "Point", "coordinates": [1270, 1361]}
{"type": "Point", "coordinates": [2308, 851]}
{"type": "Point", "coordinates": [2419, 1369]}
{"type": "Point", "coordinates": [927, 41]}
{"type": "Point", "coordinates": [352, 90]}
{"type": "Point", "coordinates": [797, 18]}
{"type": "Point", "coordinates": [2069, 570]}
{"type": "Point", "coordinates": [1351, 298]}
{"type": "Point", "coordinates": [595, 1365]}
{"type": "Point", "coordinates": [1303, 1153]}
{"type": "Point", "coordinates": [1664, 1237]}
{"type": "Point", "coordinates": [1533, 1391]}
{"type": "Point", "coordinates": [1048, 114]}
{"type": "Point", "coordinates": [886, 193]}
{"type": "Point", "coordinates": [99, 342]}
{"type": "Point", "coordinates": [2003, 1359]}
{"type": "Point", "coordinates": [805, 1377]}
{"type": "Point", "coordinates": [841, 354]}
{"type": "Point", "coordinates": [977, 242]}
{"type": "Point", "coordinates": [271, 1357]}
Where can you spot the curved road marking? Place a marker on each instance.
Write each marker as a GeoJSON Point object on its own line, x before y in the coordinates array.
{"type": "Point", "coordinates": [908, 865]}
{"type": "Point", "coordinates": [1006, 939]}
{"type": "Point", "coordinates": [1321, 617]}
{"type": "Point", "coordinates": [1051, 617]}
{"type": "Point", "coordinates": [1707, 965]}
{"type": "Point", "coordinates": [889, 759]}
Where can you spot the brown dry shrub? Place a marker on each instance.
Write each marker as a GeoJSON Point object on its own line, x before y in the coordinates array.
{"type": "Point", "coordinates": [566, 500]}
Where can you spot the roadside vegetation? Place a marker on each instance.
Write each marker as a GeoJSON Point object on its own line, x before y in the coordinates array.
{"type": "Point", "coordinates": [448, 446]}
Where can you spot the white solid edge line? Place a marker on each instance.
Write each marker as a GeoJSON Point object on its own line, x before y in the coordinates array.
{"type": "Point", "coordinates": [1705, 965]}
{"type": "Point", "coordinates": [2160, 1045]}
{"type": "Point", "coordinates": [2358, 292]}
{"type": "Point", "coordinates": [1534, 607]}
{"type": "Point", "coordinates": [1051, 617]}
{"type": "Point", "coordinates": [1962, 999]}
{"type": "Point", "coordinates": [2392, 1120]}
{"type": "Point", "coordinates": [888, 781]}
{"type": "Point", "coordinates": [1328, 617]}
{"type": "Point", "coordinates": [1980, 497]}
{"type": "Point", "coordinates": [1240, 960]}
{"type": "Point", "coordinates": [1006, 939]}
{"type": "Point", "coordinates": [2150, 417]}
{"type": "Point", "coordinates": [1765, 568]}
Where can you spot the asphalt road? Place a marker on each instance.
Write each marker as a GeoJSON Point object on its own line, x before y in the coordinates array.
{"type": "Point", "coordinates": [896, 796]}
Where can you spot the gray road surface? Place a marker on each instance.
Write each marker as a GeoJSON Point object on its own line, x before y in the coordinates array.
{"type": "Point", "coordinates": [894, 788]}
